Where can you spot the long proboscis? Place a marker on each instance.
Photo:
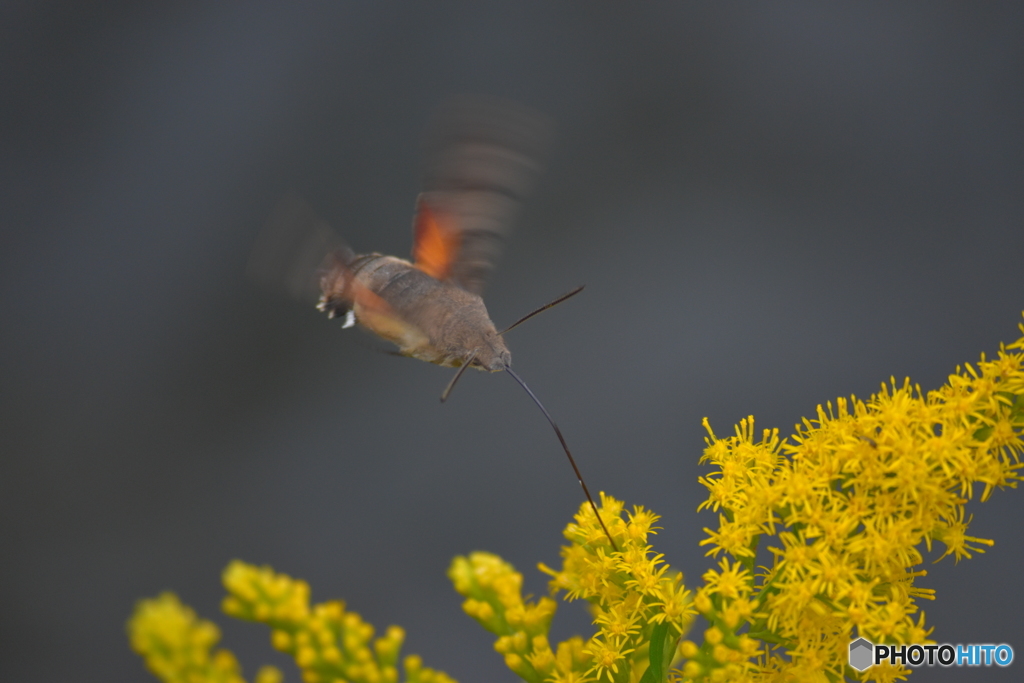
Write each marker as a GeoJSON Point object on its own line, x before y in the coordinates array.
{"type": "Point", "coordinates": [565, 446]}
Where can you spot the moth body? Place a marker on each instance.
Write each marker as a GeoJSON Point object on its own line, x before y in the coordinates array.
{"type": "Point", "coordinates": [483, 156]}
{"type": "Point", "coordinates": [426, 318]}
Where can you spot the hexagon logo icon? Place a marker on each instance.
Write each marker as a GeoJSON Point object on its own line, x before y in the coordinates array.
{"type": "Point", "coordinates": [861, 654]}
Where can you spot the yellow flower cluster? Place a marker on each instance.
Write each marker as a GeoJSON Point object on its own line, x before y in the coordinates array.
{"type": "Point", "coordinates": [493, 592]}
{"type": "Point", "coordinates": [640, 607]}
{"type": "Point", "coordinates": [176, 645]}
{"type": "Point", "coordinates": [848, 505]}
{"type": "Point", "coordinates": [851, 498]}
{"type": "Point", "coordinates": [328, 643]}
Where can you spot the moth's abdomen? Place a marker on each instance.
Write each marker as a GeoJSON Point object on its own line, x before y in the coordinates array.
{"type": "Point", "coordinates": [426, 318]}
{"type": "Point", "coordinates": [336, 280]}
{"type": "Point", "coordinates": [403, 286]}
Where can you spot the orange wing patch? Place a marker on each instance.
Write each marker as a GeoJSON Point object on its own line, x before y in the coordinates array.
{"type": "Point", "coordinates": [435, 241]}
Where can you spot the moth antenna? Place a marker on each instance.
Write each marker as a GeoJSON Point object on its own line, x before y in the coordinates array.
{"type": "Point", "coordinates": [542, 309]}
{"type": "Point", "coordinates": [558, 432]}
{"type": "Point", "coordinates": [451, 385]}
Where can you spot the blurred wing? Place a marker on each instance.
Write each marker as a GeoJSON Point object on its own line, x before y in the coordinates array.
{"type": "Point", "coordinates": [436, 240]}
{"type": "Point", "coordinates": [294, 249]}
{"type": "Point", "coordinates": [483, 158]}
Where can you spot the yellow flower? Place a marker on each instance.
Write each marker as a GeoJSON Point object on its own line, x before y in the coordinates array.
{"type": "Point", "coordinates": [635, 599]}
{"type": "Point", "coordinates": [492, 588]}
{"type": "Point", "coordinates": [851, 499]}
{"type": "Point", "coordinates": [843, 510]}
{"type": "Point", "coordinates": [327, 641]}
{"type": "Point", "coordinates": [732, 582]}
{"type": "Point", "coordinates": [607, 656]}
{"type": "Point", "coordinates": [177, 645]}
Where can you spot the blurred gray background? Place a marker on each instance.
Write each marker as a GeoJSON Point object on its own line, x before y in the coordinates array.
{"type": "Point", "coordinates": [770, 205]}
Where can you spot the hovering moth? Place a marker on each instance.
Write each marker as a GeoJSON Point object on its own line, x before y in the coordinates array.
{"type": "Point", "coordinates": [483, 157]}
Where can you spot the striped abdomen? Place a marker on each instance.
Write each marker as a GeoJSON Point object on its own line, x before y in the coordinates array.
{"type": "Point", "coordinates": [428, 319]}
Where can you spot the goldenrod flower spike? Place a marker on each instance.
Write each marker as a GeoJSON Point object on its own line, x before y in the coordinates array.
{"type": "Point", "coordinates": [844, 507]}
{"type": "Point", "coordinates": [850, 498]}
{"type": "Point", "coordinates": [493, 592]}
{"type": "Point", "coordinates": [327, 642]}
{"type": "Point", "coordinates": [177, 646]}
{"type": "Point", "coordinates": [640, 606]}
